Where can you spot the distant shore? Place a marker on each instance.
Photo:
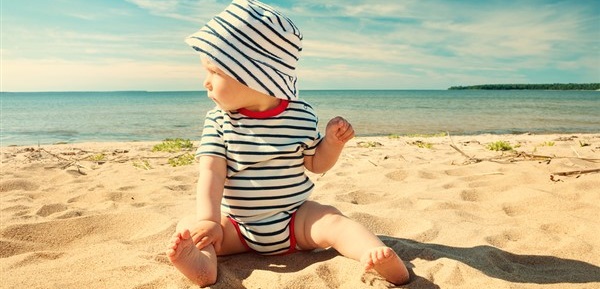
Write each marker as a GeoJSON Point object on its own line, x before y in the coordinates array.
{"type": "Point", "coordinates": [552, 86]}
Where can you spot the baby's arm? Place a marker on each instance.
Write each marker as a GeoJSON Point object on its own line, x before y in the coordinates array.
{"type": "Point", "coordinates": [208, 202]}
{"type": "Point", "coordinates": [337, 133]}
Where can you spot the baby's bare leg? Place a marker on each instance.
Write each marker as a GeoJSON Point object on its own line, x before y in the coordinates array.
{"type": "Point", "coordinates": [200, 266]}
{"type": "Point", "coordinates": [319, 226]}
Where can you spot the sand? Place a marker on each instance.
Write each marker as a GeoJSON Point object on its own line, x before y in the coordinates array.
{"type": "Point", "coordinates": [482, 219]}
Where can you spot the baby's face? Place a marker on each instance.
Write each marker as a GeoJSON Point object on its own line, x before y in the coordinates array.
{"type": "Point", "coordinates": [225, 91]}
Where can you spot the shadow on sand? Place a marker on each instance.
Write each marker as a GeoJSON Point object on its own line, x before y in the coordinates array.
{"type": "Point", "coordinates": [233, 270]}
{"type": "Point", "coordinates": [500, 264]}
{"type": "Point", "coordinates": [489, 260]}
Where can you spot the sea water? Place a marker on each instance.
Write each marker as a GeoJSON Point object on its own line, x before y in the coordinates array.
{"type": "Point", "coordinates": [54, 117]}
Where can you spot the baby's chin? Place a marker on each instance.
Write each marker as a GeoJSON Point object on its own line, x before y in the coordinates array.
{"type": "Point", "coordinates": [224, 108]}
{"type": "Point", "coordinates": [218, 104]}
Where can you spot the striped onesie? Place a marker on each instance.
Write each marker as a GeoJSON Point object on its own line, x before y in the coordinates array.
{"type": "Point", "coordinates": [266, 181]}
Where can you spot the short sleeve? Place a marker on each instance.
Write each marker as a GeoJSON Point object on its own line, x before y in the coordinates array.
{"type": "Point", "coordinates": [212, 142]}
{"type": "Point", "coordinates": [312, 147]}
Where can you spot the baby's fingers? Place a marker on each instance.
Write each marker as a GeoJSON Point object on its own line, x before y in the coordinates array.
{"type": "Point", "coordinates": [203, 243]}
{"type": "Point", "coordinates": [200, 239]}
{"type": "Point", "coordinates": [335, 124]}
{"type": "Point", "coordinates": [346, 134]}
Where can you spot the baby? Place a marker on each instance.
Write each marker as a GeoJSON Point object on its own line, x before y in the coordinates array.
{"type": "Point", "coordinates": [252, 192]}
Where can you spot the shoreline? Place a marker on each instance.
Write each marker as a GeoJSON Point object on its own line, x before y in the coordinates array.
{"type": "Point", "coordinates": [146, 116]}
{"type": "Point", "coordinates": [459, 217]}
{"type": "Point", "coordinates": [378, 136]}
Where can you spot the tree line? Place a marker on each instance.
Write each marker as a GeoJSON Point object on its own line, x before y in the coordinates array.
{"type": "Point", "coordinates": [552, 86]}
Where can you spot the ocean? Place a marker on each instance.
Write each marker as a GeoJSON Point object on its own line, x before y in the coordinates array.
{"type": "Point", "coordinates": [70, 117]}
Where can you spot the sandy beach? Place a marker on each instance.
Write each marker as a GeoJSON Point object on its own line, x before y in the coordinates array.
{"type": "Point", "coordinates": [459, 214]}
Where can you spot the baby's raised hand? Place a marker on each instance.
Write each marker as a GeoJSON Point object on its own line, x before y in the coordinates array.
{"type": "Point", "coordinates": [207, 232]}
{"type": "Point", "coordinates": [338, 131]}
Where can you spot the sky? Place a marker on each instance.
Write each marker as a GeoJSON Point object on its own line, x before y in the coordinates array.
{"type": "Point", "coordinates": [109, 45]}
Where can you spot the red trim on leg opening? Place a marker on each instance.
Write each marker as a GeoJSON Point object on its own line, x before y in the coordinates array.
{"type": "Point", "coordinates": [292, 235]}
{"type": "Point", "coordinates": [237, 229]}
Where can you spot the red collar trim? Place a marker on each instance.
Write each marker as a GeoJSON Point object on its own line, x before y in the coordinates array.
{"type": "Point", "coordinates": [283, 104]}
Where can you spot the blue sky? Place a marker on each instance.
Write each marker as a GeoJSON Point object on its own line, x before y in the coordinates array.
{"type": "Point", "coordinates": [63, 45]}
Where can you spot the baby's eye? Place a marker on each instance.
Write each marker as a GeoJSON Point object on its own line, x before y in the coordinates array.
{"type": "Point", "coordinates": [213, 71]}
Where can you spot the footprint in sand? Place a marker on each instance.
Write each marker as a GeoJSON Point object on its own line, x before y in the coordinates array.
{"type": "Point", "coordinates": [427, 235]}
{"type": "Point", "coordinates": [449, 185]}
{"type": "Point", "coordinates": [541, 269]}
{"type": "Point", "coordinates": [458, 172]}
{"type": "Point", "coordinates": [36, 258]}
{"type": "Point", "coordinates": [513, 210]}
{"type": "Point", "coordinates": [455, 276]}
{"type": "Point", "coordinates": [557, 228]}
{"type": "Point", "coordinates": [18, 184]}
{"type": "Point", "coordinates": [325, 272]}
{"type": "Point", "coordinates": [15, 208]}
{"type": "Point", "coordinates": [398, 176]}
{"type": "Point", "coordinates": [97, 186]}
{"type": "Point", "coordinates": [11, 248]}
{"type": "Point", "coordinates": [360, 197]}
{"type": "Point", "coordinates": [470, 195]}
{"type": "Point", "coordinates": [180, 188]}
{"type": "Point", "coordinates": [449, 273]}
{"type": "Point", "coordinates": [126, 188]}
{"type": "Point", "coordinates": [501, 240]}
{"type": "Point", "coordinates": [342, 174]}
{"type": "Point", "coordinates": [71, 214]}
{"type": "Point", "coordinates": [578, 246]}
{"type": "Point", "coordinates": [427, 175]}
{"type": "Point", "coordinates": [375, 280]}
{"type": "Point", "coordinates": [183, 179]}
{"type": "Point", "coordinates": [375, 224]}
{"type": "Point", "coordinates": [47, 210]}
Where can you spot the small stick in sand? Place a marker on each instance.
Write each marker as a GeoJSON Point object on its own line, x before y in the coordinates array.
{"type": "Point", "coordinates": [572, 148]}
{"type": "Point", "coordinates": [472, 159]}
{"type": "Point", "coordinates": [579, 172]}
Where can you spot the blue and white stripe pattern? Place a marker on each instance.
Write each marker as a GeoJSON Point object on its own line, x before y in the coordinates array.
{"type": "Point", "coordinates": [254, 44]}
{"type": "Point", "coordinates": [266, 180]}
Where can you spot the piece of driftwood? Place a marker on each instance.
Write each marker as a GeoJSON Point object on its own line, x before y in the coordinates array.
{"type": "Point", "coordinates": [77, 158]}
{"type": "Point", "coordinates": [578, 172]}
{"type": "Point", "coordinates": [520, 156]}
{"type": "Point", "coordinates": [471, 159]}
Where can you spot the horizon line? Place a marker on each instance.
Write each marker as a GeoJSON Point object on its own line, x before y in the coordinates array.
{"type": "Point", "coordinates": [135, 90]}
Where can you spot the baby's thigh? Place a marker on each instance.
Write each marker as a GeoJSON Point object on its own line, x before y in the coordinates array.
{"type": "Point", "coordinates": [314, 225]}
{"type": "Point", "coordinates": [232, 244]}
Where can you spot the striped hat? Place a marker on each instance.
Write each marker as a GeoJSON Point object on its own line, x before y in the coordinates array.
{"type": "Point", "coordinates": [254, 44]}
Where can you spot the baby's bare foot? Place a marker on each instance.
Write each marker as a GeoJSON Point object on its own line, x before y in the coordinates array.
{"type": "Point", "coordinates": [199, 266]}
{"type": "Point", "coordinates": [387, 263]}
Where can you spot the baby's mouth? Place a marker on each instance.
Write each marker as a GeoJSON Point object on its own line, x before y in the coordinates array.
{"type": "Point", "coordinates": [211, 98]}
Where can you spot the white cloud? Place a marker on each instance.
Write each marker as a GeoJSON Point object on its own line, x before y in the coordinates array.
{"type": "Point", "coordinates": [375, 9]}
{"type": "Point", "coordinates": [82, 16]}
{"type": "Point", "coordinates": [64, 75]}
{"type": "Point", "coordinates": [356, 8]}
{"type": "Point", "coordinates": [163, 6]}
{"type": "Point", "coordinates": [499, 42]}
{"type": "Point", "coordinates": [190, 11]}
